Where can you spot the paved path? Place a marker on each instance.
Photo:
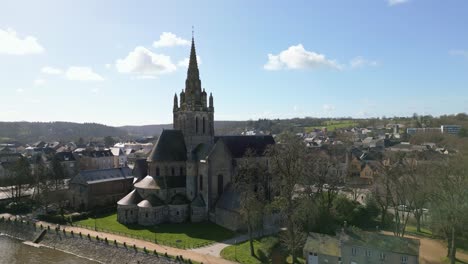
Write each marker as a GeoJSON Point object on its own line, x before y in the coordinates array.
{"type": "Point", "coordinates": [216, 248]}
{"type": "Point", "coordinates": [187, 254]}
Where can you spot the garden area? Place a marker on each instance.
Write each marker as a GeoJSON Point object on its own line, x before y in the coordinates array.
{"type": "Point", "coordinates": [183, 235]}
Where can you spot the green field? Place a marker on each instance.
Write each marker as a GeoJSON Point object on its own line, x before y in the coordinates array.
{"type": "Point", "coordinates": [332, 125]}
{"type": "Point", "coordinates": [184, 235]}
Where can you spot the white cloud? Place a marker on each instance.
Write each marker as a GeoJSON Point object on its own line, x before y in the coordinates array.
{"type": "Point", "coordinates": [462, 53]}
{"type": "Point", "coordinates": [108, 66]}
{"type": "Point", "coordinates": [359, 62]}
{"type": "Point", "coordinates": [12, 44]}
{"type": "Point", "coordinates": [396, 2]}
{"type": "Point", "coordinates": [39, 82]}
{"type": "Point", "coordinates": [95, 90]}
{"type": "Point", "coordinates": [185, 62]}
{"type": "Point", "coordinates": [328, 108]}
{"type": "Point", "coordinates": [19, 90]}
{"type": "Point", "coordinates": [144, 62]}
{"type": "Point", "coordinates": [145, 77]}
{"type": "Point", "coordinates": [76, 73]}
{"type": "Point", "coordinates": [296, 57]}
{"type": "Point", "coordinates": [51, 70]}
{"type": "Point", "coordinates": [168, 39]}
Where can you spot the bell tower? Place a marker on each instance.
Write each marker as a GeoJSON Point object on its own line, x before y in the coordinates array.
{"type": "Point", "coordinates": [194, 112]}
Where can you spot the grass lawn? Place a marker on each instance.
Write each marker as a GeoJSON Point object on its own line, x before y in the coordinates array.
{"type": "Point", "coordinates": [184, 235]}
{"type": "Point", "coordinates": [266, 251]}
{"type": "Point", "coordinates": [411, 229]}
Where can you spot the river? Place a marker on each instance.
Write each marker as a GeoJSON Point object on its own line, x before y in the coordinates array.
{"type": "Point", "coordinates": [13, 251]}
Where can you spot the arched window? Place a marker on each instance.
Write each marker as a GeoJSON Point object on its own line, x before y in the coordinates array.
{"type": "Point", "coordinates": [200, 181]}
{"type": "Point", "coordinates": [204, 121]}
{"type": "Point", "coordinates": [196, 124]}
{"type": "Point", "coordinates": [157, 171]}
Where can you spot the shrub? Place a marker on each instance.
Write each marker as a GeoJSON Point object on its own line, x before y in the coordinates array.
{"type": "Point", "coordinates": [56, 219]}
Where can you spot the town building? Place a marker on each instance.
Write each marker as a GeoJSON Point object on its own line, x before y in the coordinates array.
{"type": "Point", "coordinates": [190, 170]}
{"type": "Point", "coordinates": [353, 245]}
{"type": "Point", "coordinates": [68, 162]}
{"type": "Point", "coordinates": [99, 188]}
{"type": "Point", "coordinates": [450, 129]}
{"type": "Point", "coordinates": [94, 159]}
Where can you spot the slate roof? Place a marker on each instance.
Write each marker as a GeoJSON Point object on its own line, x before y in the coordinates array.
{"type": "Point", "coordinates": [96, 153]}
{"type": "Point", "coordinates": [238, 145]}
{"type": "Point", "coordinates": [198, 201]}
{"type": "Point", "coordinates": [133, 198]}
{"type": "Point", "coordinates": [323, 244]}
{"type": "Point", "coordinates": [65, 156]}
{"type": "Point", "coordinates": [170, 147]}
{"type": "Point", "coordinates": [179, 199]}
{"type": "Point", "coordinates": [355, 236]}
{"type": "Point", "coordinates": [103, 175]}
{"type": "Point", "coordinates": [140, 169]}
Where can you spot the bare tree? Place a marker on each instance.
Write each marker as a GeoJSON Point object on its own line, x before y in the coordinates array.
{"type": "Point", "coordinates": [250, 184]}
{"type": "Point", "coordinates": [288, 169]}
{"type": "Point", "coordinates": [448, 200]}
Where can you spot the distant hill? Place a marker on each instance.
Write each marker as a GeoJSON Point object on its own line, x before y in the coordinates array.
{"type": "Point", "coordinates": [146, 130]}
{"type": "Point", "coordinates": [27, 132]}
{"type": "Point", "coordinates": [221, 128]}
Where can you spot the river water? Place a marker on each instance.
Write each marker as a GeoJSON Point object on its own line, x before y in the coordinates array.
{"type": "Point", "coordinates": [13, 251]}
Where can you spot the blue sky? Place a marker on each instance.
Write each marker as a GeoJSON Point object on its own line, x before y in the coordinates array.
{"type": "Point", "coordinates": [120, 62]}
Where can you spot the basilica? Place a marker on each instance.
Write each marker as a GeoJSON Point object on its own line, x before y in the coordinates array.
{"type": "Point", "coordinates": [190, 170]}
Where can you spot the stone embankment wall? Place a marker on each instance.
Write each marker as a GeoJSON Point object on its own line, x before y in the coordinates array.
{"type": "Point", "coordinates": [97, 249]}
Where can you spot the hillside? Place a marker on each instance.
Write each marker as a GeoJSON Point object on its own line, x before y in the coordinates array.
{"type": "Point", "coordinates": [27, 132]}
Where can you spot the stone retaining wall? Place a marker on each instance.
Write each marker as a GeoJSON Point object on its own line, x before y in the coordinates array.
{"type": "Point", "coordinates": [101, 251]}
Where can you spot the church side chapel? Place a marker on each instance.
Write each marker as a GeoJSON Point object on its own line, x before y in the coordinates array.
{"type": "Point", "coordinates": [190, 170]}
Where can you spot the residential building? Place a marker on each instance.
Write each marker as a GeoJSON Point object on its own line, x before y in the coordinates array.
{"type": "Point", "coordinates": [450, 129]}
{"type": "Point", "coordinates": [94, 159]}
{"type": "Point", "coordinates": [353, 245]}
{"type": "Point", "coordinates": [68, 162]}
{"type": "Point", "coordinates": [98, 188]}
{"type": "Point", "coordinates": [120, 158]}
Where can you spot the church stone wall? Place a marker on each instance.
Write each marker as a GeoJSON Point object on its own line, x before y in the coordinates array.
{"type": "Point", "coordinates": [220, 164]}
{"type": "Point", "coordinates": [127, 214]}
{"type": "Point", "coordinates": [228, 219]}
{"type": "Point", "coordinates": [178, 213]}
{"type": "Point", "coordinates": [198, 214]}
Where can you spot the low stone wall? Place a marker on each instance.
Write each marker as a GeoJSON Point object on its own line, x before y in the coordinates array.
{"type": "Point", "coordinates": [97, 249]}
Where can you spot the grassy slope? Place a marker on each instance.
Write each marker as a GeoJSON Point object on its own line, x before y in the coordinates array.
{"type": "Point", "coordinates": [184, 235]}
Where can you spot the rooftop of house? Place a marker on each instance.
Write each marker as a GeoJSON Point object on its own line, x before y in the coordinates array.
{"type": "Point", "coordinates": [323, 244]}
{"type": "Point", "coordinates": [330, 245]}
{"type": "Point", "coordinates": [357, 237]}
{"type": "Point", "coordinates": [103, 175]}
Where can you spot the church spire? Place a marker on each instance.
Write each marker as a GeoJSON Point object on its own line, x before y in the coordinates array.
{"type": "Point", "coordinates": [192, 72]}
{"type": "Point", "coordinates": [193, 90]}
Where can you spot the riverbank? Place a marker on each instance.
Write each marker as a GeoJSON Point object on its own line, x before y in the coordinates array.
{"type": "Point", "coordinates": [92, 248]}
